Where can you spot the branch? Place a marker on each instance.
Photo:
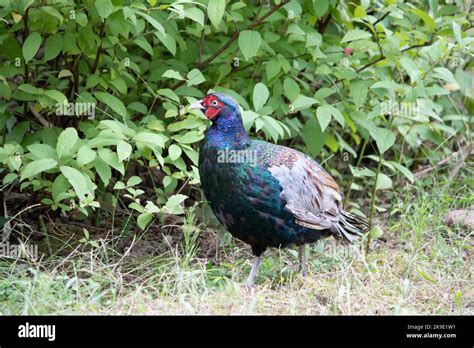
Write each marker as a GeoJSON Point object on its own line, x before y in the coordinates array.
{"type": "Point", "coordinates": [462, 154]}
{"type": "Point", "coordinates": [323, 24]}
{"type": "Point", "coordinates": [26, 32]}
{"type": "Point", "coordinates": [380, 58]}
{"type": "Point", "coordinates": [233, 38]}
{"type": "Point", "coordinates": [381, 18]}
{"type": "Point", "coordinates": [99, 49]}
{"type": "Point", "coordinates": [201, 43]}
{"type": "Point", "coordinates": [40, 118]}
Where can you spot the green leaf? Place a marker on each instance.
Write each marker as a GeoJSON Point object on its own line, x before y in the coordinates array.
{"type": "Point", "coordinates": [383, 182]}
{"type": "Point", "coordinates": [36, 167]}
{"type": "Point", "coordinates": [9, 178]}
{"type": "Point", "coordinates": [66, 142]}
{"type": "Point", "coordinates": [387, 84]}
{"type": "Point", "coordinates": [313, 136]}
{"type": "Point", "coordinates": [59, 188]}
{"type": "Point", "coordinates": [85, 155]}
{"type": "Point", "coordinates": [53, 12]}
{"type": "Point", "coordinates": [56, 95]}
{"type": "Point", "coordinates": [124, 150]}
{"type": "Point", "coordinates": [303, 102]}
{"type": "Point", "coordinates": [376, 232]}
{"type": "Point", "coordinates": [168, 41]}
{"type": "Point", "coordinates": [324, 117]}
{"type": "Point", "coordinates": [103, 169]}
{"type": "Point", "coordinates": [143, 43]}
{"type": "Point", "coordinates": [152, 21]}
{"type": "Point", "coordinates": [405, 171]}
{"type": "Point", "coordinates": [169, 93]}
{"type": "Point", "coordinates": [30, 89]}
{"type": "Point", "coordinates": [384, 139]}
{"type": "Point", "coordinates": [173, 74]}
{"type": "Point", "coordinates": [152, 139]}
{"type": "Point", "coordinates": [144, 219]}
{"type": "Point", "coordinates": [5, 90]}
{"type": "Point", "coordinates": [272, 68]}
{"type": "Point", "coordinates": [77, 181]}
{"type": "Point", "coordinates": [359, 91]}
{"type": "Point", "coordinates": [445, 74]}
{"type": "Point", "coordinates": [174, 152]}
{"type": "Point", "coordinates": [31, 46]}
{"type": "Point", "coordinates": [425, 18]}
{"type": "Point", "coordinates": [195, 77]}
{"type": "Point", "coordinates": [40, 151]}
{"type": "Point", "coordinates": [112, 102]}
{"type": "Point", "coordinates": [189, 137]}
{"type": "Point", "coordinates": [356, 34]}
{"type": "Point", "coordinates": [291, 88]}
{"type": "Point", "coordinates": [249, 43]}
{"type": "Point", "coordinates": [411, 68]}
{"type": "Point", "coordinates": [326, 112]}
{"type": "Point", "coordinates": [215, 11]}
{"type": "Point", "coordinates": [52, 47]}
{"type": "Point", "coordinates": [260, 96]}
{"type": "Point", "coordinates": [321, 7]}
{"type": "Point", "coordinates": [173, 205]}
{"type": "Point", "coordinates": [111, 158]}
{"type": "Point", "coordinates": [195, 14]}
{"type": "Point", "coordinates": [104, 7]}
{"type": "Point", "coordinates": [426, 276]}
{"type": "Point", "coordinates": [134, 180]}
{"type": "Point", "coordinates": [81, 19]}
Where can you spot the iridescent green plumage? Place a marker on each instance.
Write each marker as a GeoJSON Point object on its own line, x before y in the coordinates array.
{"type": "Point", "coordinates": [267, 195]}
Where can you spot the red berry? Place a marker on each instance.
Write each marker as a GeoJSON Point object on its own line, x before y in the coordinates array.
{"type": "Point", "coordinates": [348, 51]}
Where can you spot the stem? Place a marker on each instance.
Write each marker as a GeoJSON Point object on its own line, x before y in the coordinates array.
{"type": "Point", "coordinates": [99, 49]}
{"type": "Point", "coordinates": [359, 160]}
{"type": "Point", "coordinates": [233, 38]}
{"type": "Point", "coordinates": [26, 32]}
{"type": "Point", "coordinates": [372, 202]}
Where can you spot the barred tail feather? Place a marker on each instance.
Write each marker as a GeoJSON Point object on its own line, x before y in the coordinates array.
{"type": "Point", "coordinates": [351, 227]}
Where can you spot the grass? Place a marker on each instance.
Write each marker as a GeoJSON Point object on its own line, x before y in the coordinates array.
{"type": "Point", "coordinates": [419, 266]}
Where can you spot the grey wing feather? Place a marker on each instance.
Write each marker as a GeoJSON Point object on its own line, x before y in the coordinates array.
{"type": "Point", "coordinates": [312, 195]}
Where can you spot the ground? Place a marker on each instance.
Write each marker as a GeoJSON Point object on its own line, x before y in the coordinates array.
{"type": "Point", "coordinates": [419, 266]}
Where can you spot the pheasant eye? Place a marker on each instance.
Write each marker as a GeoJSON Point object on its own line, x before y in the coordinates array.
{"type": "Point", "coordinates": [214, 103]}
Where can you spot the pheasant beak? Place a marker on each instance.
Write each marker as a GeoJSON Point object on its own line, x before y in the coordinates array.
{"type": "Point", "coordinates": [196, 106]}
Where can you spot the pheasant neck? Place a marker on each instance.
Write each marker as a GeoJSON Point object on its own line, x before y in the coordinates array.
{"type": "Point", "coordinates": [228, 131]}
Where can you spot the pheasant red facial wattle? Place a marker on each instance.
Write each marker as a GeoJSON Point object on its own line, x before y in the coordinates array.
{"type": "Point", "coordinates": [265, 194]}
{"type": "Point", "coordinates": [211, 105]}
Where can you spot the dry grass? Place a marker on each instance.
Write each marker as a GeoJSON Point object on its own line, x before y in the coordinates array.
{"type": "Point", "coordinates": [421, 266]}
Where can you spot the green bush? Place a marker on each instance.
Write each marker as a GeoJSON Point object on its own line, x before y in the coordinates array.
{"type": "Point", "coordinates": [94, 94]}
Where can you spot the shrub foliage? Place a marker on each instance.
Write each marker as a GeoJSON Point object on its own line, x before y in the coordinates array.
{"type": "Point", "coordinates": [94, 94]}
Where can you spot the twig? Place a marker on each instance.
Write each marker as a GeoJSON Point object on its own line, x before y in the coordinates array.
{"type": "Point", "coordinates": [40, 118]}
{"type": "Point", "coordinates": [201, 43]}
{"type": "Point", "coordinates": [459, 165]}
{"type": "Point", "coordinates": [322, 25]}
{"type": "Point", "coordinates": [372, 202]}
{"type": "Point", "coordinates": [99, 49]}
{"type": "Point", "coordinates": [359, 160]}
{"type": "Point", "coordinates": [464, 152]}
{"type": "Point", "coordinates": [232, 39]}
{"type": "Point", "coordinates": [26, 32]}
{"type": "Point", "coordinates": [380, 58]}
{"type": "Point", "coordinates": [381, 18]}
